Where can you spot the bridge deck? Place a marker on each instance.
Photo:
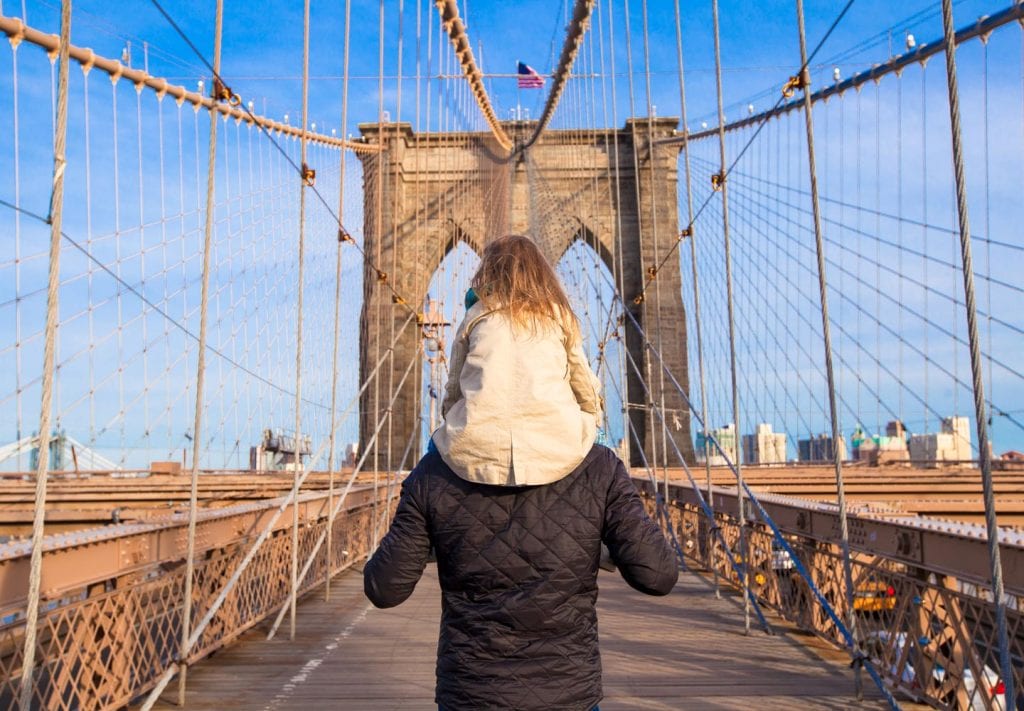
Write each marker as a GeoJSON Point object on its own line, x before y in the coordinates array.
{"type": "Point", "coordinates": [686, 650]}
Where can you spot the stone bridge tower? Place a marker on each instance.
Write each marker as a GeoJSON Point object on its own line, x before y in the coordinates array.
{"type": "Point", "coordinates": [426, 192]}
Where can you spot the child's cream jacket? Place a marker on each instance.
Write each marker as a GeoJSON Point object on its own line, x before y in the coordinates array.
{"type": "Point", "coordinates": [521, 408]}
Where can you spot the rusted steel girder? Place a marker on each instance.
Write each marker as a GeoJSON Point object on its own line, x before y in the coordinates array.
{"type": "Point", "coordinates": [76, 560]}
{"type": "Point", "coordinates": [18, 31]}
{"type": "Point", "coordinates": [114, 612]}
{"type": "Point", "coordinates": [927, 630]}
{"type": "Point", "coordinates": [943, 547]}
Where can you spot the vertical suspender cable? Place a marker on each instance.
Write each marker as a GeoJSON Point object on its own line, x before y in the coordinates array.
{"type": "Point", "coordinates": [337, 308]}
{"type": "Point", "coordinates": [422, 280]}
{"type": "Point", "coordinates": [618, 255]}
{"type": "Point", "coordinates": [723, 186]}
{"type": "Point", "coordinates": [52, 316]}
{"type": "Point", "coordinates": [394, 254]}
{"type": "Point", "coordinates": [696, 290]}
{"type": "Point", "coordinates": [297, 465]}
{"type": "Point", "coordinates": [649, 432]}
{"type": "Point", "coordinates": [204, 299]}
{"type": "Point", "coordinates": [826, 330]}
{"type": "Point", "coordinates": [651, 150]}
{"type": "Point", "coordinates": [379, 238]}
{"type": "Point", "coordinates": [984, 458]}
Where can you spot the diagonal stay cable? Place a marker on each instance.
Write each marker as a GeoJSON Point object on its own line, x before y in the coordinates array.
{"type": "Point", "coordinates": [858, 659]}
{"type": "Point", "coordinates": [156, 308]}
{"type": "Point", "coordinates": [343, 234]}
{"type": "Point", "coordinates": [882, 293]}
{"type": "Point", "coordinates": [292, 498]}
{"type": "Point", "coordinates": [708, 512]}
{"type": "Point", "coordinates": [757, 131]}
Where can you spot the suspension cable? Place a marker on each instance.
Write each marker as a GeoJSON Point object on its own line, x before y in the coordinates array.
{"type": "Point", "coordinates": [776, 532]}
{"type": "Point", "coordinates": [456, 30]}
{"type": "Point", "coordinates": [688, 179]}
{"type": "Point", "coordinates": [573, 38]}
{"type": "Point", "coordinates": [56, 217]}
{"type": "Point", "coordinates": [837, 455]}
{"type": "Point", "coordinates": [343, 233]}
{"type": "Point", "coordinates": [193, 503]}
{"type": "Point", "coordinates": [250, 555]}
{"type": "Point", "coordinates": [982, 28]}
{"type": "Point", "coordinates": [724, 173]}
{"type": "Point", "coordinates": [15, 28]}
{"type": "Point", "coordinates": [984, 457]}
{"type": "Point", "coordinates": [723, 187]}
{"type": "Point", "coordinates": [337, 307]}
{"type": "Point", "coordinates": [300, 577]}
{"type": "Point", "coordinates": [300, 256]}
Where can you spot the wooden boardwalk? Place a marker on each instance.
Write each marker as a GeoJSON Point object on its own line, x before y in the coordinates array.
{"type": "Point", "coordinates": [683, 651]}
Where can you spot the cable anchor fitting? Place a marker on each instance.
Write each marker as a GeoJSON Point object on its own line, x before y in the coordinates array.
{"type": "Point", "coordinates": [222, 92]}
{"type": "Point", "coordinates": [308, 176]}
{"type": "Point", "coordinates": [686, 232]}
{"type": "Point", "coordinates": [396, 299]}
{"type": "Point", "coordinates": [652, 273]}
{"type": "Point", "coordinates": [798, 81]}
{"type": "Point", "coordinates": [717, 181]}
{"type": "Point", "coordinates": [638, 299]}
{"type": "Point", "coordinates": [382, 277]}
{"type": "Point", "coordinates": [344, 236]}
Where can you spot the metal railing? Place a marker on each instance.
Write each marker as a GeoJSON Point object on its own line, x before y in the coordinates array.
{"type": "Point", "coordinates": [922, 595]}
{"type": "Point", "coordinates": [110, 621]}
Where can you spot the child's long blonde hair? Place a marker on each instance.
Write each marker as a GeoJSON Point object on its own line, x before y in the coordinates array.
{"type": "Point", "coordinates": [514, 275]}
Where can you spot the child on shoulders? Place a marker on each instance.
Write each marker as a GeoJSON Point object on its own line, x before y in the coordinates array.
{"type": "Point", "coordinates": [522, 405]}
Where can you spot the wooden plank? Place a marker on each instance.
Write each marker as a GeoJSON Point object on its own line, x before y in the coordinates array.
{"type": "Point", "coordinates": [686, 650]}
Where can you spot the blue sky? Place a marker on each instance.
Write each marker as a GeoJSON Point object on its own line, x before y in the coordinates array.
{"type": "Point", "coordinates": [262, 62]}
{"type": "Point", "coordinates": [263, 42]}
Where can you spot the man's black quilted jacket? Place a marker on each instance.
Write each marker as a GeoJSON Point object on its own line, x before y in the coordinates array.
{"type": "Point", "coordinates": [518, 573]}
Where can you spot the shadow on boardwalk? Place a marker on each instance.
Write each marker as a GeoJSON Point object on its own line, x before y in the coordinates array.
{"type": "Point", "coordinates": [683, 651]}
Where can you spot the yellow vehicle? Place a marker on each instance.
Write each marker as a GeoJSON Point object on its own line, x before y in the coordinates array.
{"type": "Point", "coordinates": [874, 596]}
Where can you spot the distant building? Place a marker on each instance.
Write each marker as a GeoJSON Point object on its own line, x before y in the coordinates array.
{"type": "Point", "coordinates": [820, 449]}
{"type": "Point", "coordinates": [952, 444]}
{"type": "Point", "coordinates": [896, 430]}
{"type": "Point", "coordinates": [764, 446]}
{"type": "Point", "coordinates": [726, 438]}
{"type": "Point", "coordinates": [890, 448]}
{"type": "Point", "coordinates": [279, 452]}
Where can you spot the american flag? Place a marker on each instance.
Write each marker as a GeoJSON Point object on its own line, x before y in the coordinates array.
{"type": "Point", "coordinates": [529, 78]}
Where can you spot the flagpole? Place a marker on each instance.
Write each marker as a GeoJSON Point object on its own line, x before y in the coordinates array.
{"type": "Point", "coordinates": [519, 103]}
